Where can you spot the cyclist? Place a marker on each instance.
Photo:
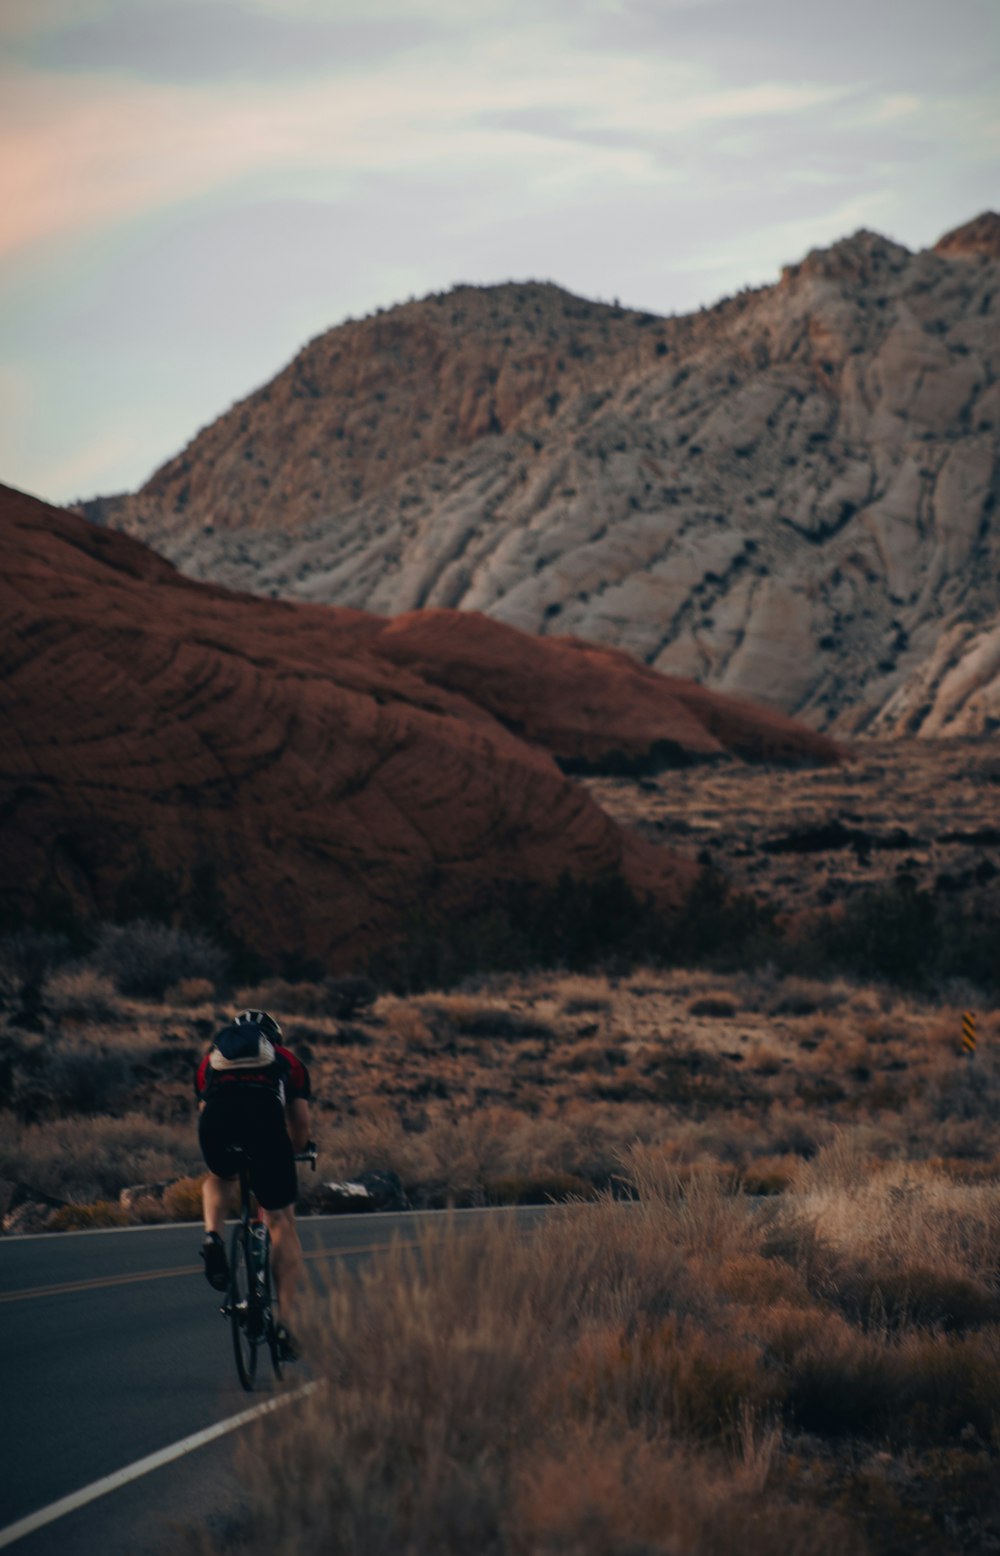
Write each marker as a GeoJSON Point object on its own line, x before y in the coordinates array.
{"type": "Point", "coordinates": [254, 1093]}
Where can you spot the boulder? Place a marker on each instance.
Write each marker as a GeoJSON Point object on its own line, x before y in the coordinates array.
{"type": "Point", "coordinates": [367, 1191]}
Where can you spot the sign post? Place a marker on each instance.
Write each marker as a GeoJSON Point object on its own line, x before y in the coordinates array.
{"type": "Point", "coordinates": [969, 1033]}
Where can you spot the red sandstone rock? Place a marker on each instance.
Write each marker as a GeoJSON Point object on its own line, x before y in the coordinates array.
{"type": "Point", "coordinates": [329, 795]}
{"type": "Point", "coordinates": [592, 707]}
{"type": "Point", "coordinates": [331, 775]}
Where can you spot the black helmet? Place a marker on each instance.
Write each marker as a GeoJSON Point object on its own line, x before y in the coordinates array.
{"type": "Point", "coordinates": [261, 1019]}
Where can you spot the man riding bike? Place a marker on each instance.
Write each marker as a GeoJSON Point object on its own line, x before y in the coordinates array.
{"type": "Point", "coordinates": [254, 1095]}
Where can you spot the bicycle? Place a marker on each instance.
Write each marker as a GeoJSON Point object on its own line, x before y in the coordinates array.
{"type": "Point", "coordinates": [248, 1304]}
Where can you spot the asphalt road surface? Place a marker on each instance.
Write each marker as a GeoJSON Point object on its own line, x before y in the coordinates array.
{"type": "Point", "coordinates": [112, 1349]}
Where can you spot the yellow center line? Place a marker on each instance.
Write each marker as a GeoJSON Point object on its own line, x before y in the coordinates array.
{"type": "Point", "coordinates": [24, 1293]}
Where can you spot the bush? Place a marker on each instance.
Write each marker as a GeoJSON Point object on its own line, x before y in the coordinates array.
{"type": "Point", "coordinates": [82, 994]}
{"type": "Point", "coordinates": [29, 954]}
{"type": "Point", "coordinates": [912, 938]}
{"type": "Point", "coordinates": [145, 959]}
{"type": "Point", "coordinates": [721, 1005]}
{"type": "Point", "coordinates": [537, 1189]}
{"type": "Point", "coordinates": [100, 1212]}
{"type": "Point", "coordinates": [191, 991]}
{"type": "Point", "coordinates": [25, 959]}
{"type": "Point", "coordinates": [339, 998]}
{"type": "Point", "coordinates": [89, 1158]}
{"type": "Point", "coordinates": [83, 1082]}
{"type": "Point", "coordinates": [182, 1200]}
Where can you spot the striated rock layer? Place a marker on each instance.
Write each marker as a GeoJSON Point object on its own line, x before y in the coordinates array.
{"type": "Point", "coordinates": [789, 497]}
{"type": "Point", "coordinates": [594, 708]}
{"type": "Point", "coordinates": [317, 780]}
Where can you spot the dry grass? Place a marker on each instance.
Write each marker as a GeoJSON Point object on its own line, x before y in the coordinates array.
{"type": "Point", "coordinates": [680, 1374]}
{"type": "Point", "coordinates": [815, 1367]}
{"type": "Point", "coordinates": [88, 1159]}
{"type": "Point", "coordinates": [82, 994]}
{"type": "Point", "coordinates": [524, 1088]}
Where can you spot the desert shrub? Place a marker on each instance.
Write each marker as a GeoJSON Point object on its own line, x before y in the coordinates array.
{"type": "Point", "coordinates": [100, 1212]}
{"type": "Point", "coordinates": [338, 998]}
{"type": "Point", "coordinates": [182, 1199]}
{"type": "Point", "coordinates": [585, 1004]}
{"type": "Point", "coordinates": [471, 1018]}
{"type": "Point", "coordinates": [29, 954]}
{"type": "Point", "coordinates": [920, 1389]}
{"type": "Point", "coordinates": [805, 997]}
{"type": "Point", "coordinates": [839, 1382]}
{"type": "Point", "coordinates": [719, 1004]}
{"type": "Point", "coordinates": [496, 1392]}
{"type": "Point", "coordinates": [27, 957]}
{"type": "Point", "coordinates": [89, 1158]}
{"type": "Point", "coordinates": [190, 991]}
{"type": "Point", "coordinates": [82, 994]}
{"type": "Point", "coordinates": [407, 1025]}
{"type": "Point", "coordinates": [769, 1174]}
{"type": "Point", "coordinates": [346, 997]}
{"type": "Point", "coordinates": [925, 1298]}
{"type": "Point", "coordinates": [596, 1491]}
{"type": "Point", "coordinates": [537, 1189]}
{"type": "Point", "coordinates": [721, 928]}
{"type": "Point", "coordinates": [145, 958]}
{"type": "Point", "coordinates": [676, 1375]}
{"type": "Point", "coordinates": [912, 938]}
{"type": "Point", "coordinates": [79, 1080]}
{"type": "Point", "coordinates": [946, 1385]}
{"type": "Point", "coordinates": [53, 1080]}
{"type": "Point", "coordinates": [969, 1090]}
{"type": "Point", "coordinates": [576, 925]}
{"type": "Point", "coordinates": [755, 1281]}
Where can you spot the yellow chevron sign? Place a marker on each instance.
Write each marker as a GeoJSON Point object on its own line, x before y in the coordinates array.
{"type": "Point", "coordinates": [969, 1032]}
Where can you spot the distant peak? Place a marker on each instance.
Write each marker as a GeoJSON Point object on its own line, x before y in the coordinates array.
{"type": "Point", "coordinates": [979, 236]}
{"type": "Point", "coordinates": [858, 257]}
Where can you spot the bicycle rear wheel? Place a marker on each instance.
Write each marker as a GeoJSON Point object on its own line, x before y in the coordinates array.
{"type": "Point", "coordinates": [244, 1314]}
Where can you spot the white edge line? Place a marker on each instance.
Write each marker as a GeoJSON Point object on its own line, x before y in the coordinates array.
{"type": "Point", "coordinates": [153, 1461]}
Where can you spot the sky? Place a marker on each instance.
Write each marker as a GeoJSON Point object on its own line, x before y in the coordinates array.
{"type": "Point", "coordinates": [192, 189]}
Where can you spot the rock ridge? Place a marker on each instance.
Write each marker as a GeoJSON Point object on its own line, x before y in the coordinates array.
{"type": "Point", "coordinates": [789, 497]}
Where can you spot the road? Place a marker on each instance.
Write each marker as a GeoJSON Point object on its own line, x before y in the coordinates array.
{"type": "Point", "coordinates": [113, 1349]}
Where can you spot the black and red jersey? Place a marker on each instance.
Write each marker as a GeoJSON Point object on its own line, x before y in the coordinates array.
{"type": "Point", "coordinates": [286, 1077]}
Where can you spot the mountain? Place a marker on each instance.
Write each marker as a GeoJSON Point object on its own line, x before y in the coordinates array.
{"type": "Point", "coordinates": [322, 783]}
{"type": "Point", "coordinates": [790, 496]}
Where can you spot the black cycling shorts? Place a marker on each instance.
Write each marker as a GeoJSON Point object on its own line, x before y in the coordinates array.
{"type": "Point", "coordinates": [254, 1121]}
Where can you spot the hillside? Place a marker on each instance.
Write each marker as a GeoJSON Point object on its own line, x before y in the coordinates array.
{"type": "Point", "coordinates": [790, 496]}
{"type": "Point", "coordinates": [321, 783]}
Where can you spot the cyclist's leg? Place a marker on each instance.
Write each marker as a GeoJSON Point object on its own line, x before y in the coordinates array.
{"type": "Point", "coordinates": [286, 1260]}
{"type": "Point", "coordinates": [215, 1137]}
{"type": "Point", "coordinates": [216, 1199]}
{"type": "Point", "coordinates": [216, 1134]}
{"type": "Point", "coordinates": [275, 1183]}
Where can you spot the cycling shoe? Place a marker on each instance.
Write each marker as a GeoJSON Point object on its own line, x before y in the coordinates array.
{"type": "Point", "coordinates": [213, 1251]}
{"type": "Point", "coordinates": [289, 1349]}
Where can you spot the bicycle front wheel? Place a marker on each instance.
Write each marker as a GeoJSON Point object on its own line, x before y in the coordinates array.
{"type": "Point", "coordinates": [244, 1315]}
{"type": "Point", "coordinates": [272, 1334]}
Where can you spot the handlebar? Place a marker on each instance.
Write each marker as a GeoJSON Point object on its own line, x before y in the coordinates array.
{"type": "Point", "coordinates": [309, 1154]}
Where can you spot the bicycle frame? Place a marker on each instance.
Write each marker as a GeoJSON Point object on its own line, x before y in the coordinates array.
{"type": "Point", "coordinates": [248, 1304]}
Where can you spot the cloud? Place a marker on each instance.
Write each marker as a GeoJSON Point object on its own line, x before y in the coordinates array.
{"type": "Point", "coordinates": [84, 152]}
{"type": "Point", "coordinates": [171, 169]}
{"type": "Point", "coordinates": [158, 40]}
{"type": "Point", "coordinates": [899, 105]}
